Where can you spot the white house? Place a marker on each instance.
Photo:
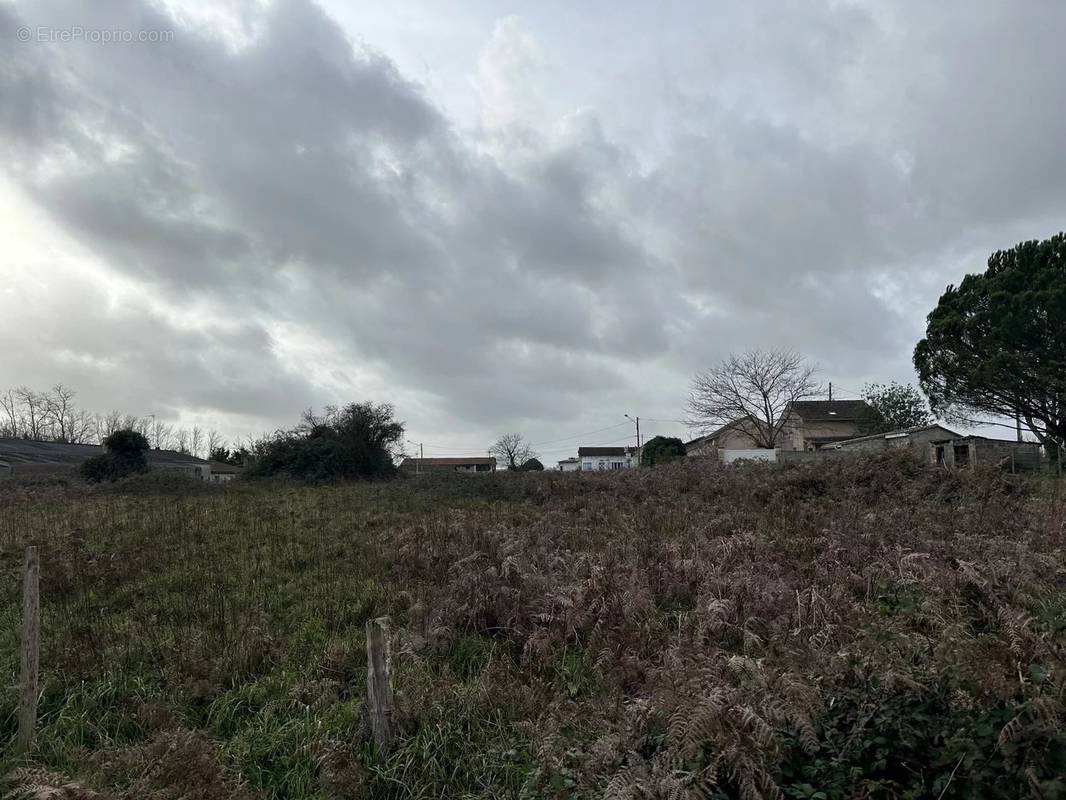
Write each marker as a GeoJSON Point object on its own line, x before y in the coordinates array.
{"type": "Point", "coordinates": [570, 465]}
{"type": "Point", "coordinates": [594, 459]}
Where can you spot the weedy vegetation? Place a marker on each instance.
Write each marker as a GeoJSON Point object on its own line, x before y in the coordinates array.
{"type": "Point", "coordinates": [866, 628]}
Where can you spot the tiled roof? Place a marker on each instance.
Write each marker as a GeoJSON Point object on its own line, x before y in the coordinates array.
{"type": "Point", "coordinates": [604, 451]}
{"type": "Point", "coordinates": [828, 410]}
{"type": "Point", "coordinates": [223, 468]}
{"type": "Point", "coordinates": [448, 462]}
{"type": "Point", "coordinates": [25, 451]}
{"type": "Point", "coordinates": [899, 433]}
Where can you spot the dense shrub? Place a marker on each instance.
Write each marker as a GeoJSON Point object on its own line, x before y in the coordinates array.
{"type": "Point", "coordinates": [125, 453]}
{"type": "Point", "coordinates": [359, 440]}
{"type": "Point", "coordinates": [661, 450]}
{"type": "Point", "coordinates": [532, 465]}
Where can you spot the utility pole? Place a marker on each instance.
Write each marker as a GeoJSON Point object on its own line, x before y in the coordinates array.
{"type": "Point", "coordinates": [1018, 423]}
{"type": "Point", "coordinates": [421, 455]}
{"type": "Point", "coordinates": [637, 421]}
{"type": "Point", "coordinates": [830, 391]}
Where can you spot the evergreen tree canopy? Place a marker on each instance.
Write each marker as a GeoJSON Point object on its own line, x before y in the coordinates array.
{"type": "Point", "coordinates": [661, 449]}
{"type": "Point", "coordinates": [893, 407]}
{"type": "Point", "coordinates": [996, 344]}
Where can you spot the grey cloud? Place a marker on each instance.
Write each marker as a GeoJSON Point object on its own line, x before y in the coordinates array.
{"type": "Point", "coordinates": [125, 354]}
{"type": "Point", "coordinates": [801, 153]}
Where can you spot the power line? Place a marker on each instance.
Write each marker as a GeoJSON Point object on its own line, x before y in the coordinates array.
{"type": "Point", "coordinates": [845, 390]}
{"type": "Point", "coordinates": [459, 451]}
{"type": "Point", "coordinates": [448, 448]}
{"type": "Point", "coordinates": [550, 450]}
{"type": "Point", "coordinates": [579, 435]}
{"type": "Point", "coordinates": [598, 444]}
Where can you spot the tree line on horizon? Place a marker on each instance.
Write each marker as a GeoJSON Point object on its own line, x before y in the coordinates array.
{"type": "Point", "coordinates": [995, 346]}
{"type": "Point", "coordinates": [54, 416]}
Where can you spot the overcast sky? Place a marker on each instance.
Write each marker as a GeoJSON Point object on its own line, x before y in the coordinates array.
{"type": "Point", "coordinates": [503, 216]}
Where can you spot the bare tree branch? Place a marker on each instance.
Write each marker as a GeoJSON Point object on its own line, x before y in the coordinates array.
{"type": "Point", "coordinates": [513, 449]}
{"type": "Point", "coordinates": [755, 390]}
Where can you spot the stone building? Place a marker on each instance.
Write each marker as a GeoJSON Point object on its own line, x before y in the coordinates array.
{"type": "Point", "coordinates": [809, 425]}
{"type": "Point", "coordinates": [917, 438]}
{"type": "Point", "coordinates": [970, 451]}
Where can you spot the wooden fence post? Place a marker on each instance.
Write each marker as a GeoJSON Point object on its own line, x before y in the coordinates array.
{"type": "Point", "coordinates": [31, 630]}
{"type": "Point", "coordinates": [378, 682]}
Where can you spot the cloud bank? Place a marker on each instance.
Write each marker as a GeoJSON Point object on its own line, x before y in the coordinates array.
{"type": "Point", "coordinates": [269, 212]}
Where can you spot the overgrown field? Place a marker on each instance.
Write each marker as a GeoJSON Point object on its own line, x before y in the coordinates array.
{"type": "Point", "coordinates": [833, 630]}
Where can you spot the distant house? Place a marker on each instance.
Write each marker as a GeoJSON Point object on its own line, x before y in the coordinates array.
{"type": "Point", "coordinates": [593, 459]}
{"type": "Point", "coordinates": [224, 473]}
{"type": "Point", "coordinates": [569, 465]}
{"type": "Point", "coordinates": [809, 425]}
{"type": "Point", "coordinates": [970, 451]}
{"type": "Point", "coordinates": [416, 466]}
{"type": "Point", "coordinates": [27, 457]}
{"type": "Point", "coordinates": [918, 437]}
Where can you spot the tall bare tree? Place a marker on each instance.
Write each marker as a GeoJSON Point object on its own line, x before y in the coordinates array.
{"type": "Point", "coordinates": [513, 449]}
{"type": "Point", "coordinates": [33, 413]}
{"type": "Point", "coordinates": [108, 423]}
{"type": "Point", "coordinates": [161, 434]}
{"type": "Point", "coordinates": [755, 390]}
{"type": "Point", "coordinates": [61, 412]}
{"type": "Point", "coordinates": [181, 440]}
{"type": "Point", "coordinates": [80, 427]}
{"type": "Point", "coordinates": [9, 406]}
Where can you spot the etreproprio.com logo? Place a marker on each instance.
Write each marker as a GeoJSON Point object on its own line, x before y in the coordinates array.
{"type": "Point", "coordinates": [77, 33]}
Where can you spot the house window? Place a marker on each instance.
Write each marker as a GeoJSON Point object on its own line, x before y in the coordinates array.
{"type": "Point", "coordinates": [962, 455]}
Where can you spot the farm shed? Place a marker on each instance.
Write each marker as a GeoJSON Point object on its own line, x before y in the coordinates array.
{"type": "Point", "coordinates": [969, 451]}
{"type": "Point", "coordinates": [28, 457]}
{"type": "Point", "coordinates": [416, 466]}
{"type": "Point", "coordinates": [916, 437]}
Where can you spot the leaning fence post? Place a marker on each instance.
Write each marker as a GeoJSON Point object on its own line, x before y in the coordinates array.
{"type": "Point", "coordinates": [31, 630]}
{"type": "Point", "coordinates": [378, 682]}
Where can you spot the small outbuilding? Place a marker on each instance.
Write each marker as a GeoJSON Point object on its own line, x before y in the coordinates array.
{"type": "Point", "coordinates": [917, 437]}
{"type": "Point", "coordinates": [419, 466]}
{"type": "Point", "coordinates": [222, 472]}
{"type": "Point", "coordinates": [969, 451]}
